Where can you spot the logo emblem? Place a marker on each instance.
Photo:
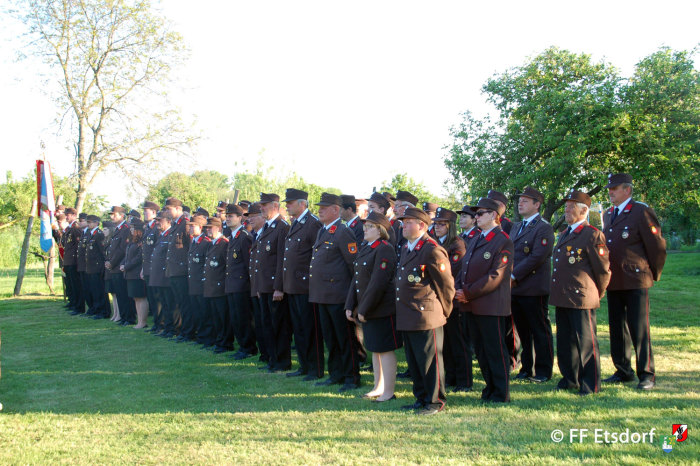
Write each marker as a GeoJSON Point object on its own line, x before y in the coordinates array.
{"type": "Point", "coordinates": [654, 230]}
{"type": "Point", "coordinates": [487, 255]}
{"type": "Point", "coordinates": [526, 250]}
{"type": "Point", "coordinates": [667, 446]}
{"type": "Point", "coordinates": [411, 278]}
{"type": "Point", "coordinates": [544, 241]}
{"type": "Point", "coordinates": [352, 248]}
{"type": "Point", "coordinates": [680, 431]}
{"type": "Point", "coordinates": [267, 248]}
{"type": "Point", "coordinates": [625, 235]}
{"type": "Point", "coordinates": [572, 259]}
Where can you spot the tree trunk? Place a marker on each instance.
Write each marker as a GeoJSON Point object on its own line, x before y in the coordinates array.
{"type": "Point", "coordinates": [25, 250]}
{"type": "Point", "coordinates": [81, 195]}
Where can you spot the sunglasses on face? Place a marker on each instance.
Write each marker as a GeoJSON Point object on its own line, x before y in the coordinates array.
{"type": "Point", "coordinates": [482, 212]}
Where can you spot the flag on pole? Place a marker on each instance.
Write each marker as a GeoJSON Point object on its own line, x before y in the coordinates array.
{"type": "Point", "coordinates": [45, 202]}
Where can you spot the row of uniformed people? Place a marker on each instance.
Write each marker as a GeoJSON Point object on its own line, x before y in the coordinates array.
{"type": "Point", "coordinates": [300, 281]}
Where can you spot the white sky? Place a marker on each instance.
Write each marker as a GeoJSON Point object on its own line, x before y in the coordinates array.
{"type": "Point", "coordinates": [347, 94]}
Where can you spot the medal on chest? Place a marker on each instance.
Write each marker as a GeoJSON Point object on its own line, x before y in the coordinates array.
{"type": "Point", "coordinates": [487, 255]}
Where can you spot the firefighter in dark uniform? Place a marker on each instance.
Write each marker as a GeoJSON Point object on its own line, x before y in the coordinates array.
{"type": "Point", "coordinates": [580, 275]}
{"type": "Point", "coordinates": [150, 236]}
{"type": "Point", "coordinates": [637, 257]}
{"type": "Point", "coordinates": [215, 282]}
{"type": "Point", "coordinates": [371, 301]}
{"type": "Point", "coordinates": [70, 240]}
{"type": "Point", "coordinates": [512, 337]}
{"type": "Point", "coordinates": [457, 352]}
{"type": "Point", "coordinates": [533, 240]}
{"type": "Point", "coordinates": [95, 267]}
{"type": "Point", "coordinates": [424, 293]}
{"type": "Point", "coordinates": [403, 200]}
{"type": "Point", "coordinates": [330, 277]}
{"type": "Point", "coordinates": [158, 278]}
{"type": "Point", "coordinates": [306, 324]}
{"type": "Point", "coordinates": [268, 284]}
{"type": "Point", "coordinates": [255, 224]}
{"type": "Point", "coordinates": [467, 222]}
{"type": "Point", "coordinates": [348, 213]}
{"type": "Point", "coordinates": [221, 209]}
{"type": "Point", "coordinates": [176, 265]}
{"type": "Point", "coordinates": [81, 263]}
{"type": "Point", "coordinates": [202, 329]}
{"type": "Point", "coordinates": [115, 254]}
{"type": "Point", "coordinates": [238, 283]}
{"type": "Point", "coordinates": [485, 289]}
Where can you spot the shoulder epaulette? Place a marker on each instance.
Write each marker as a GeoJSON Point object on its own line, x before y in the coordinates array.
{"type": "Point", "coordinates": [642, 203]}
{"type": "Point", "coordinates": [505, 234]}
{"type": "Point", "coordinates": [591, 226]}
{"type": "Point", "coordinates": [431, 241]}
{"type": "Point", "coordinates": [313, 216]}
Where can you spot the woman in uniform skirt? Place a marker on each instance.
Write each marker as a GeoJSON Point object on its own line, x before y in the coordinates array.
{"type": "Point", "coordinates": [372, 302]}
{"type": "Point", "coordinates": [133, 261]}
{"type": "Point", "coordinates": [108, 230]}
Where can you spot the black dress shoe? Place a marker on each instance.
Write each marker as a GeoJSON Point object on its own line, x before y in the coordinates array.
{"type": "Point", "coordinates": [266, 367]}
{"type": "Point", "coordinates": [615, 378]}
{"type": "Point", "coordinates": [220, 349]}
{"type": "Point", "coordinates": [296, 373]}
{"type": "Point", "coordinates": [310, 377]}
{"type": "Point", "coordinates": [646, 385]}
{"type": "Point", "coordinates": [376, 400]}
{"type": "Point", "coordinates": [327, 382]}
{"type": "Point", "coordinates": [241, 355]}
{"type": "Point", "coordinates": [538, 378]}
{"type": "Point", "coordinates": [404, 375]}
{"type": "Point", "coordinates": [521, 376]}
{"type": "Point", "coordinates": [75, 313]}
{"type": "Point", "coordinates": [416, 405]}
{"type": "Point", "coordinates": [348, 386]}
{"type": "Point", "coordinates": [461, 388]}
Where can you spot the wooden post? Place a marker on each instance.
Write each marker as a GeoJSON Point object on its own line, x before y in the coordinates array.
{"type": "Point", "coordinates": [235, 196]}
{"type": "Point", "coordinates": [25, 249]}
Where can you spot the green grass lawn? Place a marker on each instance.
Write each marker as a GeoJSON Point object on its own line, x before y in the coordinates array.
{"type": "Point", "coordinates": [81, 391]}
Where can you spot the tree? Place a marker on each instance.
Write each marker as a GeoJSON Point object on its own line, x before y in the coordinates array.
{"type": "Point", "coordinates": [565, 122]}
{"type": "Point", "coordinates": [403, 182]}
{"type": "Point", "coordinates": [112, 60]}
{"type": "Point", "coordinates": [559, 123]}
{"type": "Point", "coordinates": [662, 145]}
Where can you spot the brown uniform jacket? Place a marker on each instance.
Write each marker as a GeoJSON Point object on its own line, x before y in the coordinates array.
{"type": "Point", "coordinates": [178, 248]}
{"type": "Point", "coordinates": [215, 268]}
{"type": "Point", "coordinates": [637, 249]}
{"type": "Point", "coordinates": [372, 293]}
{"type": "Point", "coordinates": [532, 255]}
{"type": "Point", "coordinates": [237, 261]}
{"type": "Point", "coordinates": [270, 257]}
{"type": "Point", "coordinates": [486, 271]}
{"type": "Point", "coordinates": [158, 260]}
{"type": "Point", "coordinates": [195, 264]}
{"type": "Point", "coordinates": [117, 247]}
{"type": "Point", "coordinates": [298, 246]}
{"type": "Point", "coordinates": [330, 271]}
{"type": "Point", "coordinates": [424, 286]}
{"type": "Point", "coordinates": [468, 237]}
{"type": "Point", "coordinates": [133, 260]}
{"type": "Point", "coordinates": [252, 264]}
{"type": "Point", "coordinates": [150, 237]}
{"type": "Point", "coordinates": [71, 239]}
{"type": "Point", "coordinates": [82, 249]}
{"type": "Point", "coordinates": [581, 270]}
{"type": "Point", "coordinates": [94, 251]}
{"type": "Point", "coordinates": [356, 227]}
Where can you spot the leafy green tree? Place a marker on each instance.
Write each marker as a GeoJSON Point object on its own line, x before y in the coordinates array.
{"type": "Point", "coordinates": [559, 124]}
{"type": "Point", "coordinates": [662, 146]}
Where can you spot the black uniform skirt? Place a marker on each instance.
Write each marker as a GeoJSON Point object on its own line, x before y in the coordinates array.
{"type": "Point", "coordinates": [381, 335]}
{"type": "Point", "coordinates": [108, 283]}
{"type": "Point", "coordinates": [136, 288]}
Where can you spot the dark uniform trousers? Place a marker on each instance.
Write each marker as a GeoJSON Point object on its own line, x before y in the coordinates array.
{"type": "Point", "coordinates": [258, 329]}
{"type": "Point", "coordinates": [457, 351]}
{"type": "Point", "coordinates": [127, 308]}
{"type": "Point", "coordinates": [95, 294]}
{"type": "Point", "coordinates": [577, 349]}
{"type": "Point", "coordinates": [241, 311]}
{"type": "Point", "coordinates": [191, 321]}
{"type": "Point", "coordinates": [206, 335]}
{"type": "Point", "coordinates": [218, 308]}
{"type": "Point", "coordinates": [153, 308]}
{"type": "Point", "coordinates": [489, 336]}
{"type": "Point", "coordinates": [276, 331]}
{"type": "Point", "coordinates": [167, 303]}
{"type": "Point", "coordinates": [531, 316]}
{"type": "Point", "coordinates": [339, 336]}
{"type": "Point", "coordinates": [308, 337]}
{"type": "Point", "coordinates": [224, 326]}
{"type": "Point", "coordinates": [424, 358]}
{"type": "Point", "coordinates": [180, 311]}
{"type": "Point", "coordinates": [76, 296]}
{"type": "Point", "coordinates": [628, 314]}
{"type": "Point", "coordinates": [87, 292]}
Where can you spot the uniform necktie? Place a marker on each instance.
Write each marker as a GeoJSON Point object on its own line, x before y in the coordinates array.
{"type": "Point", "coordinates": [617, 211]}
{"type": "Point", "coordinates": [566, 233]}
{"type": "Point", "coordinates": [266, 225]}
{"type": "Point", "coordinates": [522, 227]}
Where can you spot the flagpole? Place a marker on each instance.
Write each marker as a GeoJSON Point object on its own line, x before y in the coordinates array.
{"type": "Point", "coordinates": [25, 250]}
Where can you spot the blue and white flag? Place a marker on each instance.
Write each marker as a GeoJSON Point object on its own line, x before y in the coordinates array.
{"type": "Point", "coordinates": [45, 202]}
